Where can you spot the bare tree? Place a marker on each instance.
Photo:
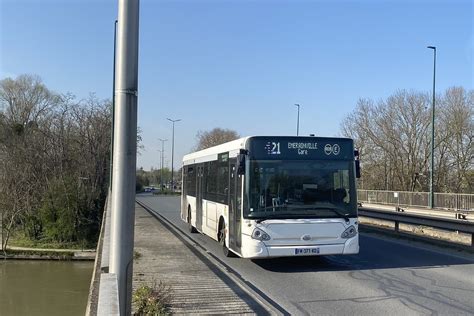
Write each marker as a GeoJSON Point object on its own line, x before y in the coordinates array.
{"type": "Point", "coordinates": [27, 105]}
{"type": "Point", "coordinates": [456, 154]}
{"type": "Point", "coordinates": [54, 156]}
{"type": "Point", "coordinates": [214, 137]}
{"type": "Point", "coordinates": [393, 136]}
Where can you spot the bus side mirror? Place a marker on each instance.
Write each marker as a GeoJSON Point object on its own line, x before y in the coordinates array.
{"type": "Point", "coordinates": [357, 163]}
{"type": "Point", "coordinates": [241, 163]}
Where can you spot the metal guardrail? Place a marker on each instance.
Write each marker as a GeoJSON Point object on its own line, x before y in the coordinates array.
{"type": "Point", "coordinates": [450, 201]}
{"type": "Point", "coordinates": [415, 219]}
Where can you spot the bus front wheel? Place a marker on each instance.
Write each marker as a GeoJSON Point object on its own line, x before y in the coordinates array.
{"type": "Point", "coordinates": [191, 228]}
{"type": "Point", "coordinates": [222, 238]}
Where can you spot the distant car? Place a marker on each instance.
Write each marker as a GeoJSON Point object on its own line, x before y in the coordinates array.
{"type": "Point", "coordinates": [147, 189]}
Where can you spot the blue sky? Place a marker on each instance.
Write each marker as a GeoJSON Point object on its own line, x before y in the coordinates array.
{"type": "Point", "coordinates": [242, 64]}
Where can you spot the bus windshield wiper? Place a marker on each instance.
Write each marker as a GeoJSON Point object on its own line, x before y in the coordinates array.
{"type": "Point", "coordinates": [339, 211]}
{"type": "Point", "coordinates": [269, 207]}
{"type": "Point", "coordinates": [267, 216]}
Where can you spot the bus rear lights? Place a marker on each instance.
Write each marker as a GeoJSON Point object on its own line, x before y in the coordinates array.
{"type": "Point", "coordinates": [350, 232]}
{"type": "Point", "coordinates": [260, 235]}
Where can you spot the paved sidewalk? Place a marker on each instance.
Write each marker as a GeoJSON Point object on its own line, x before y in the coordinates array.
{"type": "Point", "coordinates": [198, 286]}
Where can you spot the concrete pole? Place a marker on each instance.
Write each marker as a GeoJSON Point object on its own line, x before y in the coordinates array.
{"type": "Point", "coordinates": [113, 109]}
{"type": "Point", "coordinates": [162, 157]}
{"type": "Point", "coordinates": [159, 165]}
{"type": "Point", "coordinates": [125, 152]}
{"type": "Point", "coordinates": [161, 171]}
{"type": "Point", "coordinates": [431, 201]}
{"type": "Point", "coordinates": [172, 154]}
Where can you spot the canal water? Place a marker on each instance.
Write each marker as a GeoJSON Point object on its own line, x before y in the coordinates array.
{"type": "Point", "coordinates": [37, 287]}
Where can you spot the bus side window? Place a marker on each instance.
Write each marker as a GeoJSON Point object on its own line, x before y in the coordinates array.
{"type": "Point", "coordinates": [191, 182]}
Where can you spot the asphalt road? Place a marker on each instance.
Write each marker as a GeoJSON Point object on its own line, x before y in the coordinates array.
{"type": "Point", "coordinates": [387, 277]}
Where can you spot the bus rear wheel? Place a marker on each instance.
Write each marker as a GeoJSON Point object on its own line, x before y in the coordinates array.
{"type": "Point", "coordinates": [191, 228]}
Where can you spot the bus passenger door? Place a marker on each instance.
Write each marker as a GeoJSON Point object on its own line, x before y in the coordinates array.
{"type": "Point", "coordinates": [238, 210]}
{"type": "Point", "coordinates": [184, 191]}
{"type": "Point", "coordinates": [234, 222]}
{"type": "Point", "coordinates": [199, 188]}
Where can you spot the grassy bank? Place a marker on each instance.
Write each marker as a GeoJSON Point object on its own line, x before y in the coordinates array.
{"type": "Point", "coordinates": [21, 247]}
{"type": "Point", "coordinates": [38, 254]}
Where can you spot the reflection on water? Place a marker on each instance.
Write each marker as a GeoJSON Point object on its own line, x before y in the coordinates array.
{"type": "Point", "coordinates": [44, 287]}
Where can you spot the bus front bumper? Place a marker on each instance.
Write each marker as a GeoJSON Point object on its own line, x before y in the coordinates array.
{"type": "Point", "coordinates": [256, 249]}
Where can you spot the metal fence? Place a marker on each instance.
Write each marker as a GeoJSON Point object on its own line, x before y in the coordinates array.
{"type": "Point", "coordinates": [453, 201]}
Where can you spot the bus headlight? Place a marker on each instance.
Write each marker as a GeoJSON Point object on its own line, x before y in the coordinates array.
{"type": "Point", "coordinates": [260, 235]}
{"type": "Point", "coordinates": [350, 232]}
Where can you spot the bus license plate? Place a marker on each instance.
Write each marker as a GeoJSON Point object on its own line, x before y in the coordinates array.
{"type": "Point", "coordinates": [306, 251]}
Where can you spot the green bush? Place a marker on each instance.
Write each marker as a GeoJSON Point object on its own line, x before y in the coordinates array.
{"type": "Point", "coordinates": [153, 300]}
{"type": "Point", "coordinates": [58, 214]}
{"type": "Point", "coordinates": [136, 255]}
{"type": "Point", "coordinates": [65, 216]}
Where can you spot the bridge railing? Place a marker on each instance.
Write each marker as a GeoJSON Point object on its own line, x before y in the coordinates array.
{"type": "Point", "coordinates": [452, 201]}
{"type": "Point", "coordinates": [103, 292]}
{"type": "Point", "coordinates": [420, 220]}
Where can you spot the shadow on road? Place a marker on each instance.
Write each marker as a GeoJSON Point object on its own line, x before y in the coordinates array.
{"type": "Point", "coordinates": [374, 253]}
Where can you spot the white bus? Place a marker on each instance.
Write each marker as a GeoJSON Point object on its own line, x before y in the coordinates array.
{"type": "Point", "coordinates": [274, 196]}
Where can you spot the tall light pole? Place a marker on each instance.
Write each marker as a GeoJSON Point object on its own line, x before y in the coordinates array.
{"type": "Point", "coordinates": [122, 217]}
{"type": "Point", "coordinates": [431, 202]}
{"type": "Point", "coordinates": [298, 120]}
{"type": "Point", "coordinates": [162, 157]}
{"type": "Point", "coordinates": [172, 153]}
{"type": "Point", "coordinates": [111, 163]}
{"type": "Point", "coordinates": [159, 165]}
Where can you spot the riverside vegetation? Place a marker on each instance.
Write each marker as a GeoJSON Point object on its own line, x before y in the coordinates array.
{"type": "Point", "coordinates": [54, 165]}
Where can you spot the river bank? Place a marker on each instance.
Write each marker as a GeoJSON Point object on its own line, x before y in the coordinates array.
{"type": "Point", "coordinates": [27, 253]}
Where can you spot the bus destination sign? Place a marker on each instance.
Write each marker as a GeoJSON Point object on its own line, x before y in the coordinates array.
{"type": "Point", "coordinates": [300, 148]}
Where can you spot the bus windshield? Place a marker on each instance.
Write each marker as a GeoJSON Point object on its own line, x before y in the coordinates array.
{"type": "Point", "coordinates": [301, 189]}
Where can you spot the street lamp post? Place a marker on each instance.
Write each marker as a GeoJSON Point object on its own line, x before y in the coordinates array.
{"type": "Point", "coordinates": [431, 202]}
{"type": "Point", "coordinates": [122, 199]}
{"type": "Point", "coordinates": [159, 165]}
{"type": "Point", "coordinates": [111, 163]}
{"type": "Point", "coordinates": [172, 153]}
{"type": "Point", "coordinates": [298, 120]}
{"type": "Point", "coordinates": [162, 156]}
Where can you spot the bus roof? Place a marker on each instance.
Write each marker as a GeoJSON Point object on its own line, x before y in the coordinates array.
{"type": "Point", "coordinates": [233, 147]}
